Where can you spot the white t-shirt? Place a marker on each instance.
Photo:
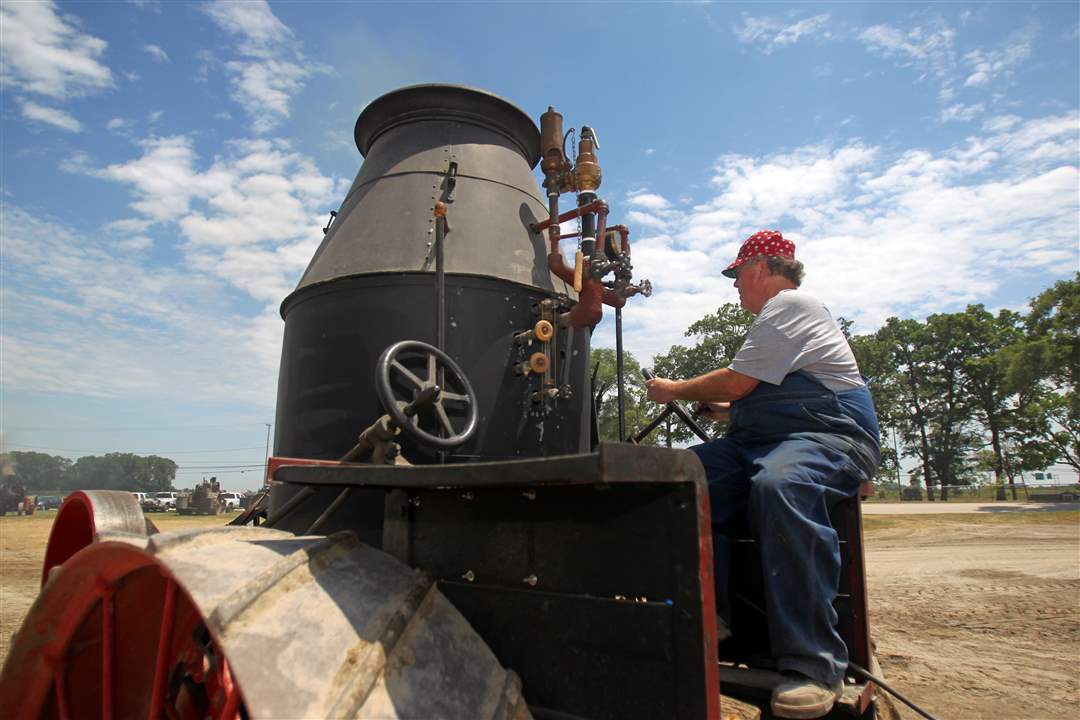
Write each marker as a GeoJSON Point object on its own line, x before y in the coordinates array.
{"type": "Point", "coordinates": [795, 331]}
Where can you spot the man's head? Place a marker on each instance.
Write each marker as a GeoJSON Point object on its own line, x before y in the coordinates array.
{"type": "Point", "coordinates": [765, 265]}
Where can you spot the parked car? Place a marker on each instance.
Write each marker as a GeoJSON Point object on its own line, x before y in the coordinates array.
{"type": "Point", "coordinates": [49, 502]}
{"type": "Point", "coordinates": [230, 500]}
{"type": "Point", "coordinates": [140, 497]}
{"type": "Point", "coordinates": [160, 502]}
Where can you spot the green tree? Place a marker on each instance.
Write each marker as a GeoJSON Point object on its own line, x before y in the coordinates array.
{"type": "Point", "coordinates": [1044, 369]}
{"type": "Point", "coordinates": [952, 436]}
{"type": "Point", "coordinates": [122, 471]}
{"type": "Point", "coordinates": [903, 341]}
{"type": "Point", "coordinates": [717, 337]}
{"type": "Point", "coordinates": [985, 380]}
{"type": "Point", "coordinates": [39, 471]}
{"type": "Point", "coordinates": [638, 410]}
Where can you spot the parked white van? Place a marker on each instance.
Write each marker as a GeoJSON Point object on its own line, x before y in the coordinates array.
{"type": "Point", "coordinates": [160, 502]}
{"type": "Point", "coordinates": [230, 500]}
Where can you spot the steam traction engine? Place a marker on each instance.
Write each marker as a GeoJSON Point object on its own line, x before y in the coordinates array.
{"type": "Point", "coordinates": [441, 536]}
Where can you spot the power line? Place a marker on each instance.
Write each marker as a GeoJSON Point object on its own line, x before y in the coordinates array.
{"type": "Point", "coordinates": [140, 428]}
{"type": "Point", "coordinates": [42, 447]}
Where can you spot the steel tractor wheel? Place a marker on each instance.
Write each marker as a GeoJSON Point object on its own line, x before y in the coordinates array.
{"type": "Point", "coordinates": [246, 622]}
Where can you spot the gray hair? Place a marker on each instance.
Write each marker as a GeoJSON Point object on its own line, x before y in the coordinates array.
{"type": "Point", "coordinates": [787, 267]}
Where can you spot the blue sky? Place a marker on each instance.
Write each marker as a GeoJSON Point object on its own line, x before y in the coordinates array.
{"type": "Point", "coordinates": [166, 167]}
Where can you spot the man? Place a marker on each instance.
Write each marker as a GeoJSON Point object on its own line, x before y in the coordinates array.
{"type": "Point", "coordinates": [802, 436]}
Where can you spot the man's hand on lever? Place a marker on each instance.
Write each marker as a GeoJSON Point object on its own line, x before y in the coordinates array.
{"type": "Point", "coordinates": [718, 411]}
{"type": "Point", "coordinates": [662, 390]}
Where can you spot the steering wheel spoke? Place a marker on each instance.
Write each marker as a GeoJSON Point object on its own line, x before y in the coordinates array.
{"type": "Point", "coordinates": [444, 419]}
{"type": "Point", "coordinates": [410, 360]}
{"type": "Point", "coordinates": [407, 373]}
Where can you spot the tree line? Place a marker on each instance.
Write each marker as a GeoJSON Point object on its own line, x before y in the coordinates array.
{"type": "Point", "coordinates": [39, 472]}
{"type": "Point", "coordinates": [962, 393]}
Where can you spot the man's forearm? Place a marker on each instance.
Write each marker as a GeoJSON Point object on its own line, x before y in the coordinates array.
{"type": "Point", "coordinates": [723, 385]}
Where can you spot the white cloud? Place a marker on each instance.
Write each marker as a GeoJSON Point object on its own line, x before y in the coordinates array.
{"type": "Point", "coordinates": [49, 116]}
{"type": "Point", "coordinates": [929, 49]}
{"type": "Point", "coordinates": [271, 69]}
{"type": "Point", "coordinates": [769, 33]}
{"type": "Point", "coordinates": [251, 217]}
{"type": "Point", "coordinates": [647, 200]}
{"type": "Point", "coordinates": [243, 226]}
{"type": "Point", "coordinates": [118, 125]}
{"type": "Point", "coordinates": [85, 316]}
{"type": "Point", "coordinates": [46, 54]}
{"type": "Point", "coordinates": [156, 52]}
{"type": "Point", "coordinates": [881, 233]}
{"type": "Point", "coordinates": [961, 112]}
{"type": "Point", "coordinates": [987, 65]}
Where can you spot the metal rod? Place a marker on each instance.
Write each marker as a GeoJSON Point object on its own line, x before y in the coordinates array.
{"type": "Point", "coordinates": [644, 432]}
{"type": "Point", "coordinates": [619, 372]}
{"type": "Point", "coordinates": [568, 360]}
{"type": "Point", "coordinates": [285, 509]}
{"type": "Point", "coordinates": [330, 510]}
{"type": "Point", "coordinates": [266, 462]}
{"type": "Point", "coordinates": [440, 285]}
{"type": "Point", "coordinates": [157, 695]}
{"type": "Point", "coordinates": [881, 684]}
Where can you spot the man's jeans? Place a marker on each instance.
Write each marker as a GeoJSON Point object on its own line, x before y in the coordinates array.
{"type": "Point", "coordinates": [790, 454]}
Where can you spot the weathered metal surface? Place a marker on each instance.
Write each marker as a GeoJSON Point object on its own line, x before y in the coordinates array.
{"type": "Point", "coordinates": [309, 627]}
{"type": "Point", "coordinates": [409, 138]}
{"type": "Point", "coordinates": [326, 389]}
{"type": "Point", "coordinates": [590, 575]}
{"type": "Point", "coordinates": [88, 515]}
{"type": "Point", "coordinates": [612, 463]}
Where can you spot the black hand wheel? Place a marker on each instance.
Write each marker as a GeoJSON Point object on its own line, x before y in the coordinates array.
{"type": "Point", "coordinates": [681, 412]}
{"type": "Point", "coordinates": [394, 378]}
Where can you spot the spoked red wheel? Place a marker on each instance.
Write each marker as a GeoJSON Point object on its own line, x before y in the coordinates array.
{"type": "Point", "coordinates": [245, 622]}
{"type": "Point", "coordinates": [114, 636]}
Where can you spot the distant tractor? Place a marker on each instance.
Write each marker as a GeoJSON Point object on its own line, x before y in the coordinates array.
{"type": "Point", "coordinates": [442, 534]}
{"type": "Point", "coordinates": [204, 500]}
{"type": "Point", "coordinates": [13, 497]}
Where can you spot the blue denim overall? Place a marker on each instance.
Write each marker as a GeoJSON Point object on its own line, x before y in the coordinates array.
{"type": "Point", "coordinates": [791, 452]}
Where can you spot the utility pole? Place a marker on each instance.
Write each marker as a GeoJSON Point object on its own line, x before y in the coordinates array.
{"type": "Point", "coordinates": [896, 449]}
{"type": "Point", "coordinates": [266, 460]}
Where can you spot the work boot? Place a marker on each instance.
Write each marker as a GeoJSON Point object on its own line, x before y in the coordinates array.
{"type": "Point", "coordinates": [803, 698]}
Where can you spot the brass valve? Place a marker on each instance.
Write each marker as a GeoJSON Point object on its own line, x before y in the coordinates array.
{"type": "Point", "coordinates": [543, 330]}
{"type": "Point", "coordinates": [538, 362]}
{"type": "Point", "coordinates": [587, 175]}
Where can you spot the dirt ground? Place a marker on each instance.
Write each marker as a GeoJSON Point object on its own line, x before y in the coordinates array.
{"type": "Point", "coordinates": [974, 616]}
{"type": "Point", "coordinates": [978, 616]}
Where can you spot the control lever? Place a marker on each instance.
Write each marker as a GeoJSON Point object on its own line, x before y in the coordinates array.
{"type": "Point", "coordinates": [672, 407]}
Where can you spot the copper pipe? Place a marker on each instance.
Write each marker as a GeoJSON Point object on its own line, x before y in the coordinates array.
{"type": "Point", "coordinates": [613, 299]}
{"type": "Point", "coordinates": [556, 263]}
{"type": "Point", "coordinates": [588, 311]}
{"type": "Point", "coordinates": [568, 215]}
{"type": "Point", "coordinates": [624, 237]}
{"type": "Point", "coordinates": [558, 267]}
